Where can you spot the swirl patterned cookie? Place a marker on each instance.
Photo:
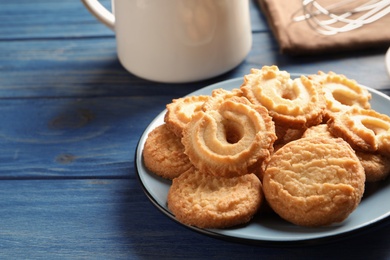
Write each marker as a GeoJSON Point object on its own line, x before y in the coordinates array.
{"type": "Point", "coordinates": [364, 129]}
{"type": "Point", "coordinates": [218, 96]}
{"type": "Point", "coordinates": [292, 103]}
{"type": "Point", "coordinates": [341, 93]}
{"type": "Point", "coordinates": [229, 141]}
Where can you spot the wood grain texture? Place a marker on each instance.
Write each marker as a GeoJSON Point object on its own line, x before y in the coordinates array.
{"type": "Point", "coordinates": [90, 68]}
{"type": "Point", "coordinates": [24, 20]}
{"type": "Point", "coordinates": [112, 219]}
{"type": "Point", "coordinates": [63, 138]}
{"type": "Point", "coordinates": [71, 118]}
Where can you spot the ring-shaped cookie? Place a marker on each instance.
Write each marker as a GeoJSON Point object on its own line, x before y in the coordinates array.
{"type": "Point", "coordinates": [341, 93]}
{"type": "Point", "coordinates": [363, 129]}
{"type": "Point", "coordinates": [218, 96]}
{"type": "Point", "coordinates": [228, 141]}
{"type": "Point", "coordinates": [293, 103]}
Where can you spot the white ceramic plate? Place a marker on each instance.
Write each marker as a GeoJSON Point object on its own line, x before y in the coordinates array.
{"type": "Point", "coordinates": [263, 229]}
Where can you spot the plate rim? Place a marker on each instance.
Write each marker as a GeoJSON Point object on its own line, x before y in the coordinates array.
{"type": "Point", "coordinates": [361, 229]}
{"type": "Point", "coordinates": [387, 61]}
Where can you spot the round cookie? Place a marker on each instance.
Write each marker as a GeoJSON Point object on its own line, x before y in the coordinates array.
{"type": "Point", "coordinates": [314, 181]}
{"type": "Point", "coordinates": [376, 166]}
{"type": "Point", "coordinates": [206, 201]}
{"type": "Point", "coordinates": [163, 153]}
{"type": "Point", "coordinates": [321, 129]}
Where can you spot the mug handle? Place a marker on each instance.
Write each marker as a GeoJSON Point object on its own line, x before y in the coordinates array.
{"type": "Point", "coordinates": [100, 12]}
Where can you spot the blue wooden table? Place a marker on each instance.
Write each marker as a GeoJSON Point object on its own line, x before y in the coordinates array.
{"type": "Point", "coordinates": [71, 118]}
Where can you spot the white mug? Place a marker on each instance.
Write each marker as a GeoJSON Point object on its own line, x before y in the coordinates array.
{"type": "Point", "coordinates": [177, 41]}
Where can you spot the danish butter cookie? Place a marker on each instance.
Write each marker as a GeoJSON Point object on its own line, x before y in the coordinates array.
{"type": "Point", "coordinates": [163, 153]}
{"type": "Point", "coordinates": [218, 96]}
{"type": "Point", "coordinates": [376, 166]}
{"type": "Point", "coordinates": [363, 129]}
{"type": "Point", "coordinates": [206, 201]}
{"type": "Point", "coordinates": [227, 142]}
{"type": "Point", "coordinates": [314, 181]}
{"type": "Point", "coordinates": [286, 135]}
{"type": "Point", "coordinates": [297, 103]}
{"type": "Point", "coordinates": [180, 111]}
{"type": "Point", "coordinates": [341, 93]}
{"type": "Point", "coordinates": [318, 130]}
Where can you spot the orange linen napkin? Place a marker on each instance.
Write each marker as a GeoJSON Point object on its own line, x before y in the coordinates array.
{"type": "Point", "coordinates": [299, 38]}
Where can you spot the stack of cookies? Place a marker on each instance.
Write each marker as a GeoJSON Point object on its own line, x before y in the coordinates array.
{"type": "Point", "coordinates": [304, 147]}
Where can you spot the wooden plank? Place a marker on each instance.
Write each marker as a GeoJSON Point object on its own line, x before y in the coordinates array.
{"type": "Point", "coordinates": [73, 138]}
{"type": "Point", "coordinates": [75, 67]}
{"type": "Point", "coordinates": [113, 219]}
{"type": "Point", "coordinates": [89, 67]}
{"type": "Point", "coordinates": [23, 19]}
{"type": "Point", "coordinates": [258, 20]}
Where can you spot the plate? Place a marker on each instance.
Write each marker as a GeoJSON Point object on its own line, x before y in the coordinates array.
{"type": "Point", "coordinates": [387, 61]}
{"type": "Point", "coordinates": [270, 228]}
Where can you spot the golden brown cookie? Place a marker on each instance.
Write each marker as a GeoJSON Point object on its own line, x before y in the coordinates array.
{"type": "Point", "coordinates": [341, 93]}
{"type": "Point", "coordinates": [286, 135]}
{"type": "Point", "coordinates": [227, 142]}
{"type": "Point", "coordinates": [363, 129]}
{"type": "Point", "coordinates": [218, 96]}
{"type": "Point", "coordinates": [163, 153]}
{"type": "Point", "coordinates": [376, 166]}
{"type": "Point", "coordinates": [314, 181]}
{"type": "Point", "coordinates": [180, 111]}
{"type": "Point", "coordinates": [206, 201]}
{"type": "Point", "coordinates": [321, 129]}
{"type": "Point", "coordinates": [297, 103]}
